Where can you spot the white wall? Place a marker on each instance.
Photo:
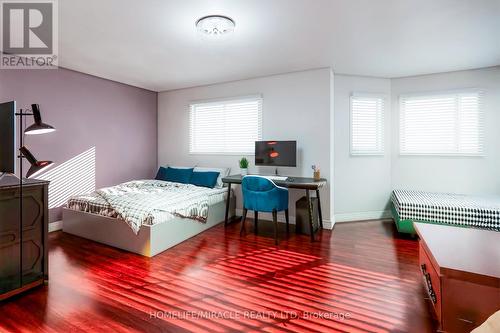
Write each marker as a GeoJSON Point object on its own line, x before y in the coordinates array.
{"type": "Point", "coordinates": [469, 175]}
{"type": "Point", "coordinates": [296, 106]}
{"type": "Point", "coordinates": [361, 183]}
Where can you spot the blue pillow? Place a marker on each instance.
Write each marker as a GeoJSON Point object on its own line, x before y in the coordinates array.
{"type": "Point", "coordinates": [175, 175]}
{"type": "Point", "coordinates": [205, 178]}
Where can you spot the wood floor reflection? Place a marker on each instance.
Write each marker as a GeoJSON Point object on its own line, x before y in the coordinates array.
{"type": "Point", "coordinates": [360, 277]}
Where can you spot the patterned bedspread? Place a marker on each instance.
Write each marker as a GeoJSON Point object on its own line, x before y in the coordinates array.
{"type": "Point", "coordinates": [149, 202]}
{"type": "Point", "coordinates": [445, 208]}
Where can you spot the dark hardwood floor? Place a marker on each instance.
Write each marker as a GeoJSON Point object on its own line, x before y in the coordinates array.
{"type": "Point", "coordinates": [362, 277]}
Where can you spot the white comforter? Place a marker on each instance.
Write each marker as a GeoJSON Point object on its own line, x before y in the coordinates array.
{"type": "Point", "coordinates": [155, 201]}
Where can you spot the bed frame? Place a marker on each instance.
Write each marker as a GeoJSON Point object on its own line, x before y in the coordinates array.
{"type": "Point", "coordinates": [403, 226]}
{"type": "Point", "coordinates": [151, 239]}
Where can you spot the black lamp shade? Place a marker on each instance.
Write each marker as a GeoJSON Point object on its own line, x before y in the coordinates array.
{"type": "Point", "coordinates": [36, 166]}
{"type": "Point", "coordinates": [38, 127]}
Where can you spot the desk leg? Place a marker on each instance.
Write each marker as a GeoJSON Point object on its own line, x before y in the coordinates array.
{"type": "Point", "coordinates": [228, 202]}
{"type": "Point", "coordinates": [319, 210]}
{"type": "Point", "coordinates": [309, 206]}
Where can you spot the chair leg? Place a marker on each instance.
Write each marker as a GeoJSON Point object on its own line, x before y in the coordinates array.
{"type": "Point", "coordinates": [243, 220]}
{"type": "Point", "coordinates": [275, 220]}
{"type": "Point", "coordinates": [256, 220]}
{"type": "Point", "coordinates": [287, 219]}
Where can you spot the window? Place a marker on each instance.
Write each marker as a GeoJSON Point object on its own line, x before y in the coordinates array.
{"type": "Point", "coordinates": [226, 127]}
{"type": "Point", "coordinates": [367, 124]}
{"type": "Point", "coordinates": [441, 124]}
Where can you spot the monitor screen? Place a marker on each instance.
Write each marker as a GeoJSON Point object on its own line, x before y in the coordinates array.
{"type": "Point", "coordinates": [276, 153]}
{"type": "Point", "coordinates": [7, 137]}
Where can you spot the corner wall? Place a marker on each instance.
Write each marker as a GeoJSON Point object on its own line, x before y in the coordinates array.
{"type": "Point", "coordinates": [361, 182]}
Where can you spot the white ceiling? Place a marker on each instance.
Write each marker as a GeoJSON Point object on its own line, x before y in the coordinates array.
{"type": "Point", "coordinates": [154, 43]}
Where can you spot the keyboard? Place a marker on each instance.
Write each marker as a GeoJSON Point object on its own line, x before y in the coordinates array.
{"type": "Point", "coordinates": [280, 178]}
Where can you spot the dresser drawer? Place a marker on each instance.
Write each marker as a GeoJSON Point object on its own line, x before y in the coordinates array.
{"type": "Point", "coordinates": [431, 279]}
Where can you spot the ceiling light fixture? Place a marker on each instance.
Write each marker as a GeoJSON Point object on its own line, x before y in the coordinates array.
{"type": "Point", "coordinates": [215, 25]}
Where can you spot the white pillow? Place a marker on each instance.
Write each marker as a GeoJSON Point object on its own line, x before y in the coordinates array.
{"type": "Point", "coordinates": [223, 172]}
{"type": "Point", "coordinates": [178, 167]}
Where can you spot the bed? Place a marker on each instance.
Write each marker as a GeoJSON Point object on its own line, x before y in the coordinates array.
{"type": "Point", "coordinates": [145, 216]}
{"type": "Point", "coordinates": [444, 208]}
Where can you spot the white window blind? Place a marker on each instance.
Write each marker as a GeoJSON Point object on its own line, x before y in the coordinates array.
{"type": "Point", "coordinates": [367, 124]}
{"type": "Point", "coordinates": [442, 124]}
{"type": "Point", "coordinates": [226, 127]}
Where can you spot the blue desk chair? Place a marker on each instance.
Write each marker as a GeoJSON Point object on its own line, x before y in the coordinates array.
{"type": "Point", "coordinates": [263, 195]}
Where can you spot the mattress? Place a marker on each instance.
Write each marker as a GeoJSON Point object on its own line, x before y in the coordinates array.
{"type": "Point", "coordinates": [149, 202]}
{"type": "Point", "coordinates": [446, 208]}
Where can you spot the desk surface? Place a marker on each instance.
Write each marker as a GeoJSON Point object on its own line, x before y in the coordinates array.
{"type": "Point", "coordinates": [291, 182]}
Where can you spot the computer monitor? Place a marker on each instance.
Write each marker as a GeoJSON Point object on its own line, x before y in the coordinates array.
{"type": "Point", "coordinates": [7, 137]}
{"type": "Point", "coordinates": [276, 153]}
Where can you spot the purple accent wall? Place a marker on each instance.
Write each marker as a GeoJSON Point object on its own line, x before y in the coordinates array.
{"type": "Point", "coordinates": [120, 121]}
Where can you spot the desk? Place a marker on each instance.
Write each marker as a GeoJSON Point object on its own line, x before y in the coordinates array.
{"type": "Point", "coordinates": [301, 183]}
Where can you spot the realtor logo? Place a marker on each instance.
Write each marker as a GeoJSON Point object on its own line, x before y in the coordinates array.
{"type": "Point", "coordinates": [29, 34]}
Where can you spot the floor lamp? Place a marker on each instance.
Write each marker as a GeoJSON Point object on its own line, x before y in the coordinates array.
{"type": "Point", "coordinates": [36, 166]}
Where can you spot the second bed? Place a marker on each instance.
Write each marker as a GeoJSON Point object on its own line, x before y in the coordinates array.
{"type": "Point", "coordinates": [444, 208]}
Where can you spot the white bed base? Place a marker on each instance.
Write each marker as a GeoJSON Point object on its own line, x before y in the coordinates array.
{"type": "Point", "coordinates": [151, 239]}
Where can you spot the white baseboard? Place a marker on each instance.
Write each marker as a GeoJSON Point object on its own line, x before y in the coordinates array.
{"type": "Point", "coordinates": [362, 216]}
{"type": "Point", "coordinates": [327, 224]}
{"type": "Point", "coordinates": [54, 226]}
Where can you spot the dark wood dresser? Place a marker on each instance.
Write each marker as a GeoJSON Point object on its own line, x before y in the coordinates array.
{"type": "Point", "coordinates": [461, 271]}
{"type": "Point", "coordinates": [23, 266]}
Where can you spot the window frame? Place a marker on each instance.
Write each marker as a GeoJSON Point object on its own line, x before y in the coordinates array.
{"type": "Point", "coordinates": [442, 93]}
{"type": "Point", "coordinates": [384, 99]}
{"type": "Point", "coordinates": [225, 100]}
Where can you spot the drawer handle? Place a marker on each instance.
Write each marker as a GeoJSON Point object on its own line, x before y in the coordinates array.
{"type": "Point", "coordinates": [466, 320]}
{"type": "Point", "coordinates": [428, 284]}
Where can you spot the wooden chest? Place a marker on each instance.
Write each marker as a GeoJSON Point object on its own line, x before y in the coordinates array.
{"type": "Point", "coordinates": [461, 272]}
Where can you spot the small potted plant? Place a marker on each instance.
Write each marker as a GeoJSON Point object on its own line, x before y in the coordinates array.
{"type": "Point", "coordinates": [316, 172]}
{"type": "Point", "coordinates": [244, 166]}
